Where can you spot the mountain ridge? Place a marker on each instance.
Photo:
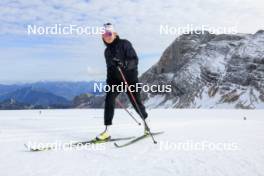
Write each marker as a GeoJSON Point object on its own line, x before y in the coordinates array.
{"type": "Point", "coordinates": [35, 97]}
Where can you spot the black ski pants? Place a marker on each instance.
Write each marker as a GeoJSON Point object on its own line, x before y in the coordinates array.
{"type": "Point", "coordinates": [116, 79]}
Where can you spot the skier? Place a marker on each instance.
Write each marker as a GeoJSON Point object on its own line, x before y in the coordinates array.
{"type": "Point", "coordinates": [119, 53]}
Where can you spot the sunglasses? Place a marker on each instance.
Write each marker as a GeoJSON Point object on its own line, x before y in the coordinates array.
{"type": "Point", "coordinates": [107, 34]}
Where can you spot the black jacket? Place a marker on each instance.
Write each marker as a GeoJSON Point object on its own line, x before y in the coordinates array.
{"type": "Point", "coordinates": [122, 50]}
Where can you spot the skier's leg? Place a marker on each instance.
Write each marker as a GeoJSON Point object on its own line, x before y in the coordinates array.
{"type": "Point", "coordinates": [132, 78]}
{"type": "Point", "coordinates": [141, 108]}
{"type": "Point", "coordinates": [109, 107]}
{"type": "Point", "coordinates": [139, 102]}
{"type": "Point", "coordinates": [108, 115]}
{"type": "Point", "coordinates": [136, 100]}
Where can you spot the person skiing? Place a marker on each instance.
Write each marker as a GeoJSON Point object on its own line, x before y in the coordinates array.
{"type": "Point", "coordinates": [119, 53]}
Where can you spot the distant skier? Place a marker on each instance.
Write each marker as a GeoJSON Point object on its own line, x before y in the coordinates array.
{"type": "Point", "coordinates": [119, 52]}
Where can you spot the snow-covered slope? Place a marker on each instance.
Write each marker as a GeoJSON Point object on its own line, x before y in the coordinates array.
{"type": "Point", "coordinates": [210, 71]}
{"type": "Point", "coordinates": [175, 154]}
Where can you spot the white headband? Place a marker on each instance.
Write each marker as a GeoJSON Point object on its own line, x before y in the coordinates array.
{"type": "Point", "coordinates": [109, 27]}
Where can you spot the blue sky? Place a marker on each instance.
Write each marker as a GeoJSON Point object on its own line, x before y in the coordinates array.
{"type": "Point", "coordinates": [30, 58]}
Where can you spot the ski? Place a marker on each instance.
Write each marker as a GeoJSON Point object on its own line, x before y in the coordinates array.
{"type": "Point", "coordinates": [76, 144]}
{"type": "Point", "coordinates": [94, 141]}
{"type": "Point", "coordinates": [136, 139]}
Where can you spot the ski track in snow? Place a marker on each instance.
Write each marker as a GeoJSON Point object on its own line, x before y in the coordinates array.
{"type": "Point", "coordinates": [143, 158]}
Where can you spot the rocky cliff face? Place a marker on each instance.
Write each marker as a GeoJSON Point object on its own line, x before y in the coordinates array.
{"type": "Point", "coordinates": [210, 71]}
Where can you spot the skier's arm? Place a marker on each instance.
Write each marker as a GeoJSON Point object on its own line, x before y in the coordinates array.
{"type": "Point", "coordinates": [131, 59]}
{"type": "Point", "coordinates": [108, 67]}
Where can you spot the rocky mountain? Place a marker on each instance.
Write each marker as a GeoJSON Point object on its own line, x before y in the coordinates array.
{"type": "Point", "coordinates": [209, 71]}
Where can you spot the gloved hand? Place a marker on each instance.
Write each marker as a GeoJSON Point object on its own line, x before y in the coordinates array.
{"type": "Point", "coordinates": [117, 62]}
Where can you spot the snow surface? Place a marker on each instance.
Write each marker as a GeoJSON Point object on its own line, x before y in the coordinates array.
{"type": "Point", "coordinates": [143, 158]}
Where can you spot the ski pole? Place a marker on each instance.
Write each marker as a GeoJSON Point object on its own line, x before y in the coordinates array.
{"type": "Point", "coordinates": [122, 106]}
{"type": "Point", "coordinates": [136, 105]}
